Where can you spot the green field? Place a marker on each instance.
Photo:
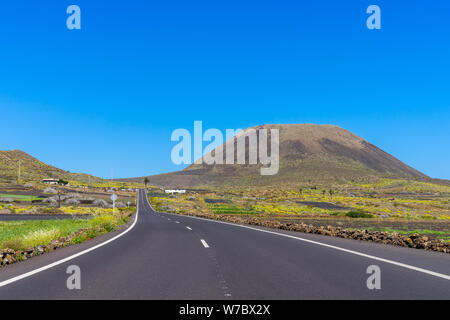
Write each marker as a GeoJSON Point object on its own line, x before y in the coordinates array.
{"type": "Point", "coordinates": [19, 197]}
{"type": "Point", "coordinates": [20, 235]}
{"type": "Point", "coordinates": [230, 209]}
{"type": "Point", "coordinates": [439, 234]}
{"type": "Point", "coordinates": [37, 232]}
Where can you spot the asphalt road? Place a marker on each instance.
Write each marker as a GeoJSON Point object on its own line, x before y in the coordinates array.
{"type": "Point", "coordinates": [166, 256]}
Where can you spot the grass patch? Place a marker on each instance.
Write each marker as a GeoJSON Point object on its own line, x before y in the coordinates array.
{"type": "Point", "coordinates": [40, 237]}
{"type": "Point", "coordinates": [20, 235]}
{"type": "Point", "coordinates": [19, 197]}
{"type": "Point", "coordinates": [15, 244]}
{"type": "Point", "coordinates": [352, 214]}
{"type": "Point", "coordinates": [32, 231]}
{"type": "Point", "coordinates": [446, 239]}
{"type": "Point", "coordinates": [230, 209]}
{"type": "Point", "coordinates": [156, 203]}
{"type": "Point", "coordinates": [418, 231]}
{"type": "Point", "coordinates": [358, 214]}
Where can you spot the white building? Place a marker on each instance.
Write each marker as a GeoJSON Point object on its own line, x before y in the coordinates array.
{"type": "Point", "coordinates": [175, 191]}
{"type": "Point", "coordinates": [50, 181]}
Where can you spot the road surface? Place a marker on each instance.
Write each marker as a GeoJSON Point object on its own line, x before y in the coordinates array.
{"type": "Point", "coordinates": [166, 256]}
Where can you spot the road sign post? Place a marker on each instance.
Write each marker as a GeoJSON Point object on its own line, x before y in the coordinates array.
{"type": "Point", "coordinates": [114, 198]}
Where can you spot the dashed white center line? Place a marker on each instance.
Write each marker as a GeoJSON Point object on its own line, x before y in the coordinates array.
{"type": "Point", "coordinates": [177, 222]}
{"type": "Point", "coordinates": [188, 228]}
{"type": "Point", "coordinates": [204, 243]}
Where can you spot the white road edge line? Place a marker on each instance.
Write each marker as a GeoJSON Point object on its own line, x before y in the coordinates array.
{"type": "Point", "coordinates": [399, 264]}
{"type": "Point", "coordinates": [54, 264]}
{"type": "Point", "coordinates": [204, 243]}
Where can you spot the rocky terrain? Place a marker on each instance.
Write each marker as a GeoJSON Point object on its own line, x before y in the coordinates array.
{"type": "Point", "coordinates": [411, 241]}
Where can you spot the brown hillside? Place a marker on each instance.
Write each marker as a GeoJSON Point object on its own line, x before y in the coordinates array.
{"type": "Point", "coordinates": [32, 169]}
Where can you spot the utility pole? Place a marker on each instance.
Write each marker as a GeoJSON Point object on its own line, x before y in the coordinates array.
{"type": "Point", "coordinates": [59, 197]}
{"type": "Point", "coordinates": [20, 163]}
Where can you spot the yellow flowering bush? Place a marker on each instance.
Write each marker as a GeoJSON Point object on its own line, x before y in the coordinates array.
{"type": "Point", "coordinates": [285, 209]}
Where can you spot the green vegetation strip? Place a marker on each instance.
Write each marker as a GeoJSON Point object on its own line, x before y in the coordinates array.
{"type": "Point", "coordinates": [230, 209]}
{"type": "Point", "coordinates": [19, 197]}
{"type": "Point", "coordinates": [353, 214]}
{"type": "Point", "coordinates": [21, 235]}
{"type": "Point", "coordinates": [156, 203]}
{"type": "Point", "coordinates": [406, 232]}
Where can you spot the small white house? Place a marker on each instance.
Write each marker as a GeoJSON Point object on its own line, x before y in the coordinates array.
{"type": "Point", "coordinates": [50, 181]}
{"type": "Point", "coordinates": [175, 191]}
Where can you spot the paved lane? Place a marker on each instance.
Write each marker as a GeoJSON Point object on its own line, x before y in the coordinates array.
{"type": "Point", "coordinates": [166, 256]}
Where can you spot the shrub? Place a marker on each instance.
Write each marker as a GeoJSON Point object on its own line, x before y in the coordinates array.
{"type": "Point", "coordinates": [92, 233]}
{"type": "Point", "coordinates": [106, 222]}
{"type": "Point", "coordinates": [100, 203]}
{"type": "Point", "coordinates": [99, 220]}
{"type": "Point", "coordinates": [108, 226]}
{"type": "Point", "coordinates": [79, 239]}
{"type": "Point", "coordinates": [428, 217]}
{"type": "Point", "coordinates": [72, 201]}
{"type": "Point", "coordinates": [337, 214]}
{"type": "Point", "coordinates": [51, 211]}
{"type": "Point", "coordinates": [63, 182]}
{"type": "Point", "coordinates": [50, 190]}
{"type": "Point", "coordinates": [14, 244]}
{"type": "Point", "coordinates": [358, 214]}
{"type": "Point", "coordinates": [40, 237]}
{"type": "Point", "coordinates": [20, 257]}
{"type": "Point", "coordinates": [123, 220]}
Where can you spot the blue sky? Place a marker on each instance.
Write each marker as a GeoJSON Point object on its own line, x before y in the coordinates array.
{"type": "Point", "coordinates": [108, 97]}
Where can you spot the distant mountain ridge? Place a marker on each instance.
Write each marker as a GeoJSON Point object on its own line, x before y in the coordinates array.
{"type": "Point", "coordinates": [308, 152]}
{"type": "Point", "coordinates": [33, 169]}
